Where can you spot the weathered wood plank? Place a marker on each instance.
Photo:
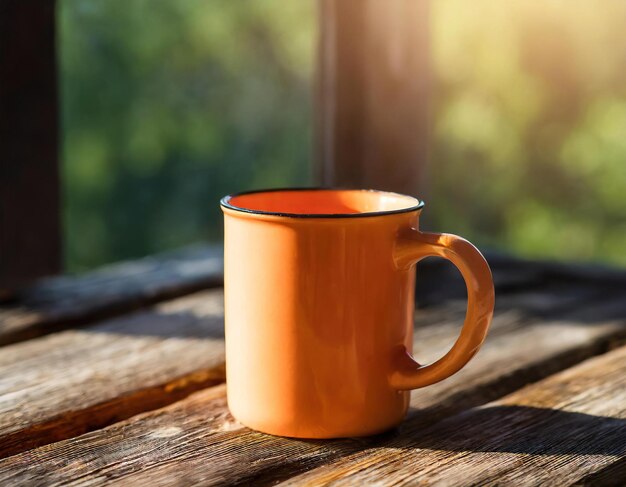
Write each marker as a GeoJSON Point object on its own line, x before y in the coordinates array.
{"type": "Point", "coordinates": [62, 302]}
{"type": "Point", "coordinates": [60, 362]}
{"type": "Point", "coordinates": [67, 301]}
{"type": "Point", "coordinates": [555, 432]}
{"type": "Point", "coordinates": [67, 383]}
{"type": "Point", "coordinates": [439, 281]}
{"type": "Point", "coordinates": [613, 475]}
{"type": "Point", "coordinates": [196, 441]}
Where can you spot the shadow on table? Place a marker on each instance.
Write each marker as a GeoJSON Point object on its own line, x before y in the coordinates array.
{"type": "Point", "coordinates": [497, 429]}
{"type": "Point", "coordinates": [516, 429]}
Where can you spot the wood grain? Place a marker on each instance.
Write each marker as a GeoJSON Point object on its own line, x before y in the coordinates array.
{"type": "Point", "coordinates": [196, 440]}
{"type": "Point", "coordinates": [36, 375]}
{"type": "Point", "coordinates": [613, 475]}
{"type": "Point", "coordinates": [556, 432]}
{"type": "Point", "coordinates": [62, 302]}
{"type": "Point", "coordinates": [67, 383]}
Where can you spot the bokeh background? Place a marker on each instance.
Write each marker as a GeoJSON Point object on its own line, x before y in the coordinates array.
{"type": "Point", "coordinates": [169, 104]}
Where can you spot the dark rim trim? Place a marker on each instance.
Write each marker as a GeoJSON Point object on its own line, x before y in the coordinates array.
{"type": "Point", "coordinates": [225, 203]}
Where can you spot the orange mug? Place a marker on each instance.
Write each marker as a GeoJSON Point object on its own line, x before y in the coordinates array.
{"type": "Point", "coordinates": [319, 301]}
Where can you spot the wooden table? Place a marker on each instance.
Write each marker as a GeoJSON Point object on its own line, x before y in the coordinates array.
{"type": "Point", "coordinates": [117, 377]}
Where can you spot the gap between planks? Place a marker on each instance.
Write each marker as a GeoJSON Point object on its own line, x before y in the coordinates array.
{"type": "Point", "coordinates": [183, 435]}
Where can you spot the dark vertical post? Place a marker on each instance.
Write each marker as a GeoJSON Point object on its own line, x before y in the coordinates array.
{"type": "Point", "coordinates": [373, 94]}
{"type": "Point", "coordinates": [30, 230]}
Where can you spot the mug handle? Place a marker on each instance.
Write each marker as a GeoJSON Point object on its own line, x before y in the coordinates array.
{"type": "Point", "coordinates": [411, 247]}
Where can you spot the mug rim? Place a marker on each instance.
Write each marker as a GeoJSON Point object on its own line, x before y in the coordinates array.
{"type": "Point", "coordinates": [225, 203]}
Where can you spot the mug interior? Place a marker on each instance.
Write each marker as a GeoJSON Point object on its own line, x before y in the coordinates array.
{"type": "Point", "coordinates": [316, 202]}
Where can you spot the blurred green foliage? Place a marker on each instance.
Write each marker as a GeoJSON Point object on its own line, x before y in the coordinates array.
{"type": "Point", "coordinates": [169, 104]}
{"type": "Point", "coordinates": [530, 132]}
